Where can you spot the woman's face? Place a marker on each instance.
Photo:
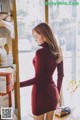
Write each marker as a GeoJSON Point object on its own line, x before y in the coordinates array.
{"type": "Point", "coordinates": [39, 39]}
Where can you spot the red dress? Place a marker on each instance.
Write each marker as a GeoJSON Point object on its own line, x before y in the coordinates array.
{"type": "Point", "coordinates": [45, 94]}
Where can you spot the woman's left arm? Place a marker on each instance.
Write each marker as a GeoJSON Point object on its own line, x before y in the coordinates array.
{"type": "Point", "coordinates": [60, 75]}
{"type": "Point", "coordinates": [39, 66]}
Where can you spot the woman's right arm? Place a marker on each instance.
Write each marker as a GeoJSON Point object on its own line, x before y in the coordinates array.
{"type": "Point", "coordinates": [39, 66]}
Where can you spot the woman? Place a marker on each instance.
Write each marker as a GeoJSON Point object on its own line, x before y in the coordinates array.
{"type": "Point", "coordinates": [45, 94]}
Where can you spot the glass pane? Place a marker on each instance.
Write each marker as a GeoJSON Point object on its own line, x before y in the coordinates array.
{"type": "Point", "coordinates": [27, 17]}
{"type": "Point", "coordinates": [29, 14]}
{"type": "Point", "coordinates": [65, 22]}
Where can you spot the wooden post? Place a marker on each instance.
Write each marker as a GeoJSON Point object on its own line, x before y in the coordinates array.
{"type": "Point", "coordinates": [15, 56]}
{"type": "Point", "coordinates": [46, 12]}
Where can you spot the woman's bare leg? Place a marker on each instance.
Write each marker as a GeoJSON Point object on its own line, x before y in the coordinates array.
{"type": "Point", "coordinates": [41, 117]}
{"type": "Point", "coordinates": [49, 115]}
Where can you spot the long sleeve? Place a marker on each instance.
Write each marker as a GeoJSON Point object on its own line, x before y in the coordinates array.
{"type": "Point", "coordinates": [60, 75]}
{"type": "Point", "coordinates": [39, 66]}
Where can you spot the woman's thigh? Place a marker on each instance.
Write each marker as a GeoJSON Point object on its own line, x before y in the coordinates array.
{"type": "Point", "coordinates": [49, 115]}
{"type": "Point", "coordinates": [41, 117]}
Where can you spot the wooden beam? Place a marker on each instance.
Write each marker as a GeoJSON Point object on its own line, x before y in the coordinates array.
{"type": "Point", "coordinates": [15, 56]}
{"type": "Point", "coordinates": [46, 12]}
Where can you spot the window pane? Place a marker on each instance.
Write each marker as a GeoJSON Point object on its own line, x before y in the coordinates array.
{"type": "Point", "coordinates": [29, 14]}
{"type": "Point", "coordinates": [65, 22]}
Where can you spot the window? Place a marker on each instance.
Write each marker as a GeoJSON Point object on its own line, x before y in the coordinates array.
{"type": "Point", "coordinates": [65, 22]}
{"type": "Point", "coordinates": [29, 14]}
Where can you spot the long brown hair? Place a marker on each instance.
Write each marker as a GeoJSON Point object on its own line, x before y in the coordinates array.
{"type": "Point", "coordinates": [44, 30]}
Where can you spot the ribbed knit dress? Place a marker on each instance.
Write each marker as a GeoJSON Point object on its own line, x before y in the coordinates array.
{"type": "Point", "coordinates": [45, 94]}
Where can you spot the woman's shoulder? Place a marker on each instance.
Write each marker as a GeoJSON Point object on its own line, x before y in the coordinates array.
{"type": "Point", "coordinates": [40, 51]}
